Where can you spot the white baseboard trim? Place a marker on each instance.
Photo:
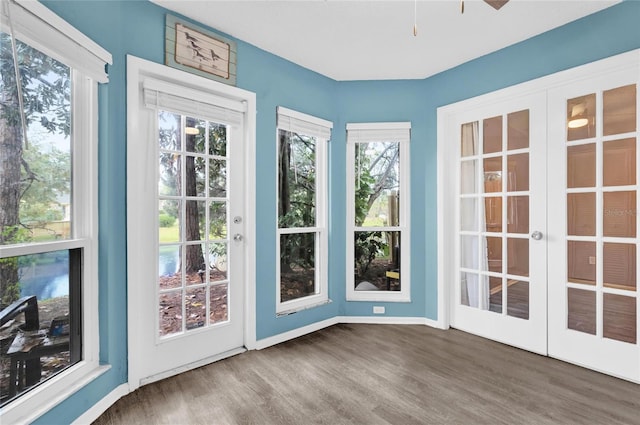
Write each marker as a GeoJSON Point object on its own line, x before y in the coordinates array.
{"type": "Point", "coordinates": [384, 320]}
{"type": "Point", "coordinates": [295, 333]}
{"type": "Point", "coordinates": [100, 407]}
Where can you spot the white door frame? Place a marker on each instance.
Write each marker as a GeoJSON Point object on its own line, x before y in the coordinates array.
{"type": "Point", "coordinates": [137, 67]}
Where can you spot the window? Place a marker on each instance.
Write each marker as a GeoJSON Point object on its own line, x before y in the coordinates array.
{"type": "Point", "coordinates": [302, 210]}
{"type": "Point", "coordinates": [378, 213]}
{"type": "Point", "coordinates": [48, 208]}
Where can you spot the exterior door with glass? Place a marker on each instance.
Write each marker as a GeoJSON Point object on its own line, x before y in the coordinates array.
{"type": "Point", "coordinates": [186, 225]}
{"type": "Point", "coordinates": [593, 291]}
{"type": "Point", "coordinates": [500, 251]}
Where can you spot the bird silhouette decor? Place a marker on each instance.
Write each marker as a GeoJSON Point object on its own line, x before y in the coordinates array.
{"type": "Point", "coordinates": [197, 50]}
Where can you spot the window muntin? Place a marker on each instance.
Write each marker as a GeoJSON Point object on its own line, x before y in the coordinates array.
{"type": "Point", "coordinates": [377, 217]}
{"type": "Point", "coordinates": [302, 210]}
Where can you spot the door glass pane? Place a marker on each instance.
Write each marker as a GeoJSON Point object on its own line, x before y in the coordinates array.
{"type": "Point", "coordinates": [468, 177]}
{"type": "Point", "coordinates": [492, 134]}
{"type": "Point", "coordinates": [494, 254]}
{"type": "Point", "coordinates": [518, 166]}
{"type": "Point", "coordinates": [217, 139]}
{"type": "Point", "coordinates": [469, 289]}
{"type": "Point", "coordinates": [619, 320]}
{"type": "Point", "coordinates": [518, 130]}
{"type": "Point", "coordinates": [619, 162]}
{"type": "Point", "coordinates": [581, 166]}
{"type": "Point", "coordinates": [518, 299]}
{"type": "Point", "coordinates": [196, 271]}
{"type": "Point", "coordinates": [620, 266]}
{"type": "Point", "coordinates": [469, 252]}
{"type": "Point", "coordinates": [518, 214]}
{"type": "Point", "coordinates": [468, 214]}
{"type": "Point", "coordinates": [217, 178]}
{"type": "Point", "coordinates": [495, 291]}
{"type": "Point", "coordinates": [581, 117]}
{"type": "Point", "coordinates": [194, 132]}
{"type": "Point", "coordinates": [218, 261]}
{"type": "Point", "coordinates": [194, 223]}
{"type": "Point", "coordinates": [581, 214]}
{"type": "Point", "coordinates": [196, 308]}
{"type": "Point", "coordinates": [469, 139]}
{"type": "Point", "coordinates": [493, 213]}
{"type": "Point", "coordinates": [170, 312]}
{"type": "Point", "coordinates": [169, 263]}
{"type": "Point", "coordinates": [581, 307]}
{"type": "Point", "coordinates": [169, 213]}
{"type": "Point", "coordinates": [620, 214]}
{"type": "Point", "coordinates": [169, 172]}
{"type": "Point", "coordinates": [619, 110]}
{"type": "Point", "coordinates": [518, 256]}
{"type": "Point", "coordinates": [493, 174]}
{"type": "Point", "coordinates": [217, 220]}
{"type": "Point", "coordinates": [581, 262]}
{"type": "Point", "coordinates": [218, 310]}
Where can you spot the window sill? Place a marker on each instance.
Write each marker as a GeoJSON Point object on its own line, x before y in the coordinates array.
{"type": "Point", "coordinates": [377, 296]}
{"type": "Point", "coordinates": [46, 396]}
{"type": "Point", "coordinates": [302, 307]}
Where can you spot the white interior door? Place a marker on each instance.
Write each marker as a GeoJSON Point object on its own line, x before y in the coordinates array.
{"type": "Point", "coordinates": [186, 220]}
{"type": "Point", "coordinates": [500, 200]}
{"type": "Point", "coordinates": [593, 290]}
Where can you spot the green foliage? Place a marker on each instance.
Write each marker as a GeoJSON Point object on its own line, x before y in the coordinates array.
{"type": "Point", "coordinates": [367, 247]}
{"type": "Point", "coordinates": [166, 220]}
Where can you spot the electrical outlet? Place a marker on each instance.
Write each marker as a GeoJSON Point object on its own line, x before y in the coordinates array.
{"type": "Point", "coordinates": [378, 309]}
{"type": "Point", "coordinates": [592, 260]}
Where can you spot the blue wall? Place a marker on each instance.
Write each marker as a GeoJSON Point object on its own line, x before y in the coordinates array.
{"type": "Point", "coordinates": [137, 28]}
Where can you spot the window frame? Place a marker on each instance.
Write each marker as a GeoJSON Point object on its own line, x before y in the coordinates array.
{"type": "Point", "coordinates": [39, 27]}
{"type": "Point", "coordinates": [398, 132]}
{"type": "Point", "coordinates": [320, 129]}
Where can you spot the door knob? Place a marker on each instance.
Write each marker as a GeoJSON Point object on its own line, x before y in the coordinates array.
{"type": "Point", "coordinates": [237, 237]}
{"type": "Point", "coordinates": [536, 235]}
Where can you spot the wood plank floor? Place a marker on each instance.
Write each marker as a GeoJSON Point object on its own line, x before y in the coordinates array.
{"type": "Point", "coordinates": [383, 374]}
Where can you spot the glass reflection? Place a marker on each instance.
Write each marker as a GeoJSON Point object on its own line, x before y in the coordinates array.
{"type": "Point", "coordinates": [619, 110]}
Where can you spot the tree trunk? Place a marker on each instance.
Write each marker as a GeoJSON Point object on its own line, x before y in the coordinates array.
{"type": "Point", "coordinates": [284, 197]}
{"type": "Point", "coordinates": [194, 256]}
{"type": "Point", "coordinates": [10, 160]}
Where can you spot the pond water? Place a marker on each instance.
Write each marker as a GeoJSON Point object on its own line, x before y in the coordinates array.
{"type": "Point", "coordinates": [168, 260]}
{"type": "Point", "coordinates": [45, 280]}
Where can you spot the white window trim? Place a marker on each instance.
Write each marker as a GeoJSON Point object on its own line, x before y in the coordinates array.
{"type": "Point", "coordinates": [382, 131]}
{"type": "Point", "coordinates": [37, 26]}
{"type": "Point", "coordinates": [308, 125]}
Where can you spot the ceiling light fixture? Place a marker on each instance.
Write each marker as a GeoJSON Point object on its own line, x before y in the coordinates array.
{"type": "Point", "coordinates": [578, 116]}
{"type": "Point", "coordinates": [191, 131]}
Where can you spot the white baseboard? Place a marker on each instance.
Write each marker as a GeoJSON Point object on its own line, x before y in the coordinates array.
{"type": "Point", "coordinates": [383, 320]}
{"type": "Point", "coordinates": [100, 407]}
{"type": "Point", "coordinates": [286, 336]}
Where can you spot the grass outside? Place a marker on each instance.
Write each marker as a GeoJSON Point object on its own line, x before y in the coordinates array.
{"type": "Point", "coordinates": [169, 234]}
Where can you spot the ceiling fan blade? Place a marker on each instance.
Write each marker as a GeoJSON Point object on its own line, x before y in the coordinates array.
{"type": "Point", "coordinates": [496, 4]}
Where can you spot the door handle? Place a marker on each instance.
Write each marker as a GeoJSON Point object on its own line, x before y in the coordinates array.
{"type": "Point", "coordinates": [237, 237]}
{"type": "Point", "coordinates": [537, 235]}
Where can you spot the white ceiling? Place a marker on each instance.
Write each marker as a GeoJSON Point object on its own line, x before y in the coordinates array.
{"type": "Point", "coordinates": [373, 40]}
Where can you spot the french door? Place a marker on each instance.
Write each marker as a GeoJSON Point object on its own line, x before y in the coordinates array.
{"type": "Point", "coordinates": [186, 221]}
{"type": "Point", "coordinates": [545, 235]}
{"type": "Point", "coordinates": [500, 290]}
{"type": "Point", "coordinates": [593, 290]}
